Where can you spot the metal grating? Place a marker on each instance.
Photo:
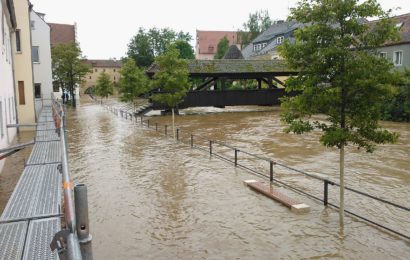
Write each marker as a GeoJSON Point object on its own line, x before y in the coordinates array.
{"type": "Point", "coordinates": [12, 236]}
{"type": "Point", "coordinates": [39, 236]}
{"type": "Point", "coordinates": [49, 135]}
{"type": "Point", "coordinates": [45, 126]}
{"type": "Point", "coordinates": [38, 193]}
{"type": "Point", "coordinates": [45, 152]}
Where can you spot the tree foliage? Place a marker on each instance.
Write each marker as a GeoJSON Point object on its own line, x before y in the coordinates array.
{"type": "Point", "coordinates": [68, 67]}
{"type": "Point", "coordinates": [185, 50]}
{"type": "Point", "coordinates": [133, 81]}
{"type": "Point", "coordinates": [257, 23]}
{"type": "Point", "coordinates": [146, 45]}
{"type": "Point", "coordinates": [223, 46]}
{"type": "Point", "coordinates": [340, 74]}
{"type": "Point", "coordinates": [398, 109]}
{"type": "Point", "coordinates": [171, 79]}
{"type": "Point", "coordinates": [104, 87]}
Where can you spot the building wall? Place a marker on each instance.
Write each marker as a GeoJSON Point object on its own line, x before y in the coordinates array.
{"type": "Point", "coordinates": [90, 79]}
{"type": "Point", "coordinates": [7, 97]}
{"type": "Point", "coordinates": [40, 37]}
{"type": "Point", "coordinates": [405, 48]}
{"type": "Point", "coordinates": [23, 70]}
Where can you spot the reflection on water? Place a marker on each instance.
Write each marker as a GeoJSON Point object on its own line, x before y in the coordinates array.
{"type": "Point", "coordinates": [152, 198]}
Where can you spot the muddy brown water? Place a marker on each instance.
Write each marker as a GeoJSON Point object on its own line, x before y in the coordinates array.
{"type": "Point", "coordinates": [153, 198]}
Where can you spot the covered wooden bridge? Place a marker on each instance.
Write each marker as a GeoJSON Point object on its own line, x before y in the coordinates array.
{"type": "Point", "coordinates": [213, 75]}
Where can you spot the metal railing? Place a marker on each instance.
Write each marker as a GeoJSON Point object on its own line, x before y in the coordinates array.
{"type": "Point", "coordinates": [74, 242]}
{"type": "Point", "coordinates": [209, 147]}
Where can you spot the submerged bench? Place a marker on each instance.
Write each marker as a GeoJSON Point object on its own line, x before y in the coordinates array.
{"type": "Point", "coordinates": [294, 205]}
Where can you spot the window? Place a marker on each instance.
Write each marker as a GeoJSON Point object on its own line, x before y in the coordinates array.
{"type": "Point", "coordinates": [22, 98]}
{"type": "Point", "coordinates": [383, 55]}
{"type": "Point", "coordinates": [33, 25]}
{"type": "Point", "coordinates": [34, 54]}
{"type": "Point", "coordinates": [9, 110]}
{"type": "Point", "coordinates": [18, 41]}
{"type": "Point", "coordinates": [257, 47]}
{"type": "Point", "coordinates": [90, 77]}
{"type": "Point", "coordinates": [95, 70]}
{"type": "Point", "coordinates": [280, 39]}
{"type": "Point", "coordinates": [398, 58]}
{"type": "Point", "coordinates": [264, 44]}
{"type": "Point", "coordinates": [56, 88]}
{"type": "Point", "coordinates": [37, 90]}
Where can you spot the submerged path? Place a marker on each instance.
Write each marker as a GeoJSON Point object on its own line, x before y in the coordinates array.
{"type": "Point", "coordinates": [32, 214]}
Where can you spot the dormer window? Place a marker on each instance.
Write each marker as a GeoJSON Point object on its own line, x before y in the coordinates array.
{"type": "Point", "coordinates": [280, 39]}
{"type": "Point", "coordinates": [211, 48]}
{"type": "Point", "coordinates": [264, 44]}
{"type": "Point", "coordinates": [257, 47]}
{"type": "Point", "coordinates": [399, 25]}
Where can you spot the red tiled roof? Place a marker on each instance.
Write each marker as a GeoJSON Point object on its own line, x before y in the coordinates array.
{"type": "Point", "coordinates": [208, 40]}
{"type": "Point", "coordinates": [61, 33]}
{"type": "Point", "coordinates": [104, 63]}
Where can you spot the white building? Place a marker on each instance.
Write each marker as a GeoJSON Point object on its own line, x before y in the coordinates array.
{"type": "Point", "coordinates": [41, 56]}
{"type": "Point", "coordinates": [8, 113]}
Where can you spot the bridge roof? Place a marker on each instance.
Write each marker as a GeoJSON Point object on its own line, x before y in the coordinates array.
{"type": "Point", "coordinates": [233, 68]}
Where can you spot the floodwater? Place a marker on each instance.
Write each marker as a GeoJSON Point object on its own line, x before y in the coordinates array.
{"type": "Point", "coordinates": [153, 198]}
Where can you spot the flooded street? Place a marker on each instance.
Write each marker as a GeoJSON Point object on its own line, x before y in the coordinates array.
{"type": "Point", "coordinates": [153, 198]}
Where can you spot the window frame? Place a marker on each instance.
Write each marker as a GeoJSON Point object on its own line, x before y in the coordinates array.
{"type": "Point", "coordinates": [38, 54]}
{"type": "Point", "coordinates": [280, 39]}
{"type": "Point", "coordinates": [18, 41]}
{"type": "Point", "coordinates": [401, 58]}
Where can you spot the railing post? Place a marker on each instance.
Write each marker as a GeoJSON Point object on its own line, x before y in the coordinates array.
{"type": "Point", "coordinates": [177, 134]}
{"type": "Point", "coordinates": [142, 120]}
{"type": "Point", "coordinates": [325, 192]}
{"type": "Point", "coordinates": [166, 130]}
{"type": "Point", "coordinates": [148, 123]}
{"type": "Point", "coordinates": [83, 224]}
{"type": "Point", "coordinates": [236, 157]}
{"type": "Point", "coordinates": [156, 127]}
{"type": "Point", "coordinates": [192, 140]}
{"type": "Point", "coordinates": [271, 171]}
{"type": "Point", "coordinates": [210, 147]}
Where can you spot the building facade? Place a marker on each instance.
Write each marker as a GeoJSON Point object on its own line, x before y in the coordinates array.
{"type": "Point", "coordinates": [264, 47]}
{"type": "Point", "coordinates": [8, 113]}
{"type": "Point", "coordinates": [399, 52]}
{"type": "Point", "coordinates": [23, 67]}
{"type": "Point", "coordinates": [207, 43]}
{"type": "Point", "coordinates": [41, 56]}
{"type": "Point", "coordinates": [110, 67]}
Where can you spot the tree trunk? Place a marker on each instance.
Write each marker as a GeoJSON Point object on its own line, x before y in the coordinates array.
{"type": "Point", "coordinates": [342, 185]}
{"type": "Point", "coordinates": [173, 123]}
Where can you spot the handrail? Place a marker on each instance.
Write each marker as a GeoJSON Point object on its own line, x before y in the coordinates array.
{"type": "Point", "coordinates": [73, 246]}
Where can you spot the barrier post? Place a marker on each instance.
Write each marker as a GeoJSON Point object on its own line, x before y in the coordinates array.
{"type": "Point", "coordinates": [166, 130]}
{"type": "Point", "coordinates": [192, 140]}
{"type": "Point", "coordinates": [83, 224]}
{"type": "Point", "coordinates": [177, 134]}
{"type": "Point", "coordinates": [325, 192]}
{"type": "Point", "coordinates": [271, 171]}
{"type": "Point", "coordinates": [210, 147]}
{"type": "Point", "coordinates": [236, 157]}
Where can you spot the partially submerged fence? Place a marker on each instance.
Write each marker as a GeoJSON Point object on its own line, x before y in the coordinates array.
{"type": "Point", "coordinates": [262, 166]}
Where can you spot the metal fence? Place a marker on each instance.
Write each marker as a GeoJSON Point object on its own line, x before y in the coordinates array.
{"type": "Point", "coordinates": [261, 166]}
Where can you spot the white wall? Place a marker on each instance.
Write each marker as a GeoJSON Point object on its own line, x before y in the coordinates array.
{"type": "Point", "coordinates": [7, 99]}
{"type": "Point", "coordinates": [40, 36]}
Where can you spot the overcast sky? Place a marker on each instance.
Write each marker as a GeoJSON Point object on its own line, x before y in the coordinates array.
{"type": "Point", "coordinates": [104, 28]}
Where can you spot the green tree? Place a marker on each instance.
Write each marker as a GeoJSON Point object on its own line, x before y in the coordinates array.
{"type": "Point", "coordinates": [68, 67]}
{"type": "Point", "coordinates": [140, 49]}
{"type": "Point", "coordinates": [172, 80]}
{"type": "Point", "coordinates": [104, 87]}
{"type": "Point", "coordinates": [257, 23]}
{"type": "Point", "coordinates": [185, 49]}
{"type": "Point", "coordinates": [147, 45]}
{"type": "Point", "coordinates": [133, 81]}
{"type": "Point", "coordinates": [398, 109]}
{"type": "Point", "coordinates": [340, 75]}
{"type": "Point", "coordinates": [223, 46]}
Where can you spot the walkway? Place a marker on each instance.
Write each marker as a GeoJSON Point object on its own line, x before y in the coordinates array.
{"type": "Point", "coordinates": [32, 214]}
